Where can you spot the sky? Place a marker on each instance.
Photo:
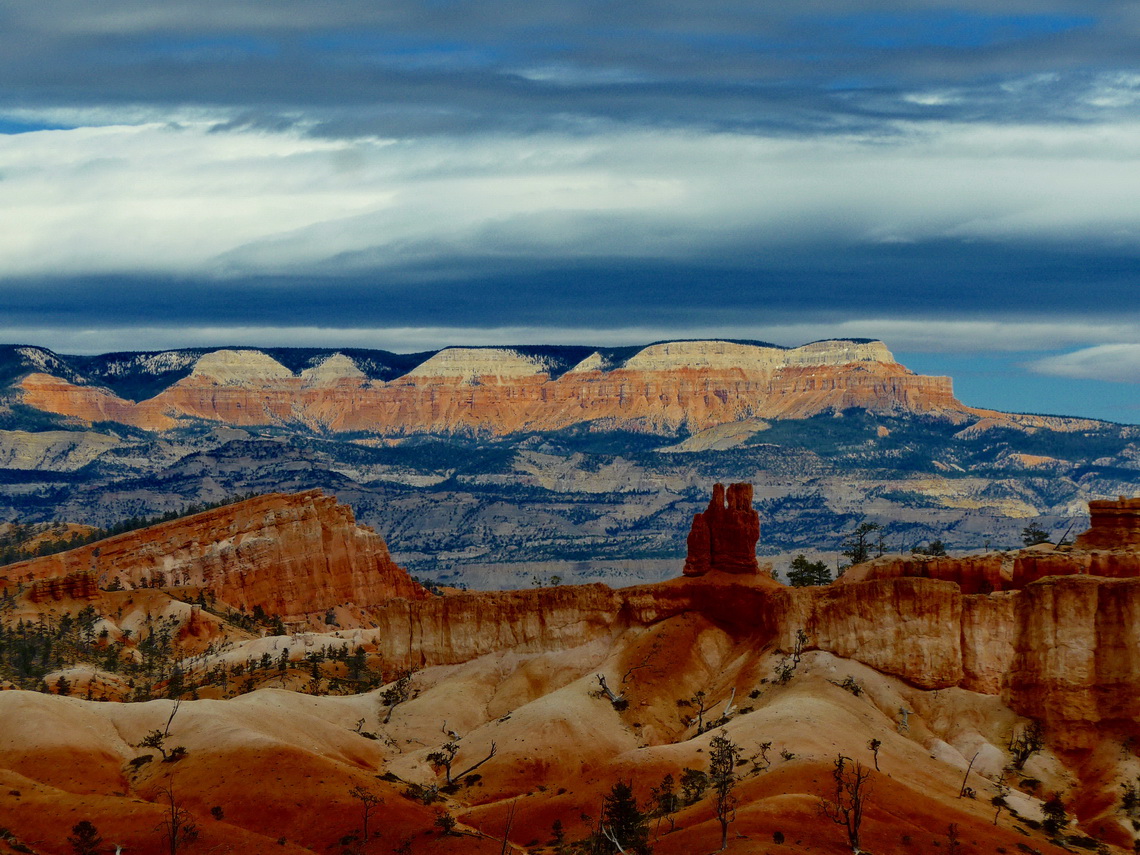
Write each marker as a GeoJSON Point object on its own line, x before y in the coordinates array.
{"type": "Point", "coordinates": [960, 179]}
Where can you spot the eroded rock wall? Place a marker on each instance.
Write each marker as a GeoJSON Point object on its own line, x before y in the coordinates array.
{"type": "Point", "coordinates": [289, 554]}
{"type": "Point", "coordinates": [664, 388]}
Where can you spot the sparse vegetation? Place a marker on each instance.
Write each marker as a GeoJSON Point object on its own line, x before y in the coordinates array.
{"type": "Point", "coordinates": [936, 549]}
{"type": "Point", "coordinates": [864, 541]}
{"type": "Point", "coordinates": [13, 543]}
{"type": "Point", "coordinates": [803, 573]}
{"type": "Point", "coordinates": [623, 825]}
{"type": "Point", "coordinates": [84, 838]}
{"type": "Point", "coordinates": [1056, 818]}
{"type": "Point", "coordinates": [1026, 742]}
{"type": "Point", "coordinates": [723, 757]}
{"type": "Point", "coordinates": [177, 827]}
{"type": "Point", "coordinates": [874, 745]}
{"type": "Point", "coordinates": [849, 800]}
{"type": "Point", "coordinates": [694, 782]}
{"type": "Point", "coordinates": [445, 757]}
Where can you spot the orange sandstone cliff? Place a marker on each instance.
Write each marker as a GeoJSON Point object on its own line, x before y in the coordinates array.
{"type": "Point", "coordinates": [289, 554]}
{"type": "Point", "coordinates": [1062, 648]}
{"type": "Point", "coordinates": [663, 388]}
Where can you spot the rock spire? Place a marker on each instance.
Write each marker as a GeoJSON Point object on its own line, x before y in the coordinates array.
{"type": "Point", "coordinates": [724, 536]}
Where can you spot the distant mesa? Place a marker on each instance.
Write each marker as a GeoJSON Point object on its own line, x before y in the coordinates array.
{"type": "Point", "coordinates": [723, 538]}
{"type": "Point", "coordinates": [666, 388]}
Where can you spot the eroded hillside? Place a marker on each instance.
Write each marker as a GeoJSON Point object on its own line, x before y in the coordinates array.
{"type": "Point", "coordinates": [933, 675]}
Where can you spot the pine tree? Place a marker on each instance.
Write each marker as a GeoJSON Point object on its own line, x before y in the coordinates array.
{"type": "Point", "coordinates": [84, 838]}
{"type": "Point", "coordinates": [803, 573]}
{"type": "Point", "coordinates": [623, 822]}
{"type": "Point", "coordinates": [723, 756]}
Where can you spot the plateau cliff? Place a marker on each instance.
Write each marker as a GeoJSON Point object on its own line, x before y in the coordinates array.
{"type": "Point", "coordinates": [662, 388]}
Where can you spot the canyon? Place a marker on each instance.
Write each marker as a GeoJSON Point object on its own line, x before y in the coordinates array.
{"type": "Point", "coordinates": [940, 661]}
{"type": "Point", "coordinates": [496, 467]}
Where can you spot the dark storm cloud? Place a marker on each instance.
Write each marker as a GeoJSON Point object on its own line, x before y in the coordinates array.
{"type": "Point", "coordinates": [945, 280]}
{"type": "Point", "coordinates": [448, 66]}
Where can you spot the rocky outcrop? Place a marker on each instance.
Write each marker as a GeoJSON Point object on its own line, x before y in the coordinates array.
{"type": "Point", "coordinates": [974, 574]}
{"type": "Point", "coordinates": [1113, 524]}
{"type": "Point", "coordinates": [663, 388]}
{"type": "Point", "coordinates": [1108, 549]}
{"type": "Point", "coordinates": [57, 450]}
{"type": "Point", "coordinates": [90, 403]}
{"type": "Point", "coordinates": [1077, 656]}
{"type": "Point", "coordinates": [288, 554]}
{"type": "Point", "coordinates": [81, 585]}
{"type": "Point", "coordinates": [725, 535]}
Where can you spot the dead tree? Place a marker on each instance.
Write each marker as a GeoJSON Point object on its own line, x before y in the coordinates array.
{"type": "Point", "coordinates": [177, 826]}
{"type": "Point", "coordinates": [904, 725]}
{"type": "Point", "coordinates": [612, 838]}
{"type": "Point", "coordinates": [964, 791]}
{"type": "Point", "coordinates": [445, 758]}
{"type": "Point", "coordinates": [728, 707]}
{"type": "Point", "coordinates": [510, 821]}
{"type": "Point", "coordinates": [609, 693]}
{"type": "Point", "coordinates": [852, 789]}
{"type": "Point", "coordinates": [1025, 743]}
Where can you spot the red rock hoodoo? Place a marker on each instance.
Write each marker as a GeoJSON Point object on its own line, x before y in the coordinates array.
{"type": "Point", "coordinates": [75, 586]}
{"type": "Point", "coordinates": [724, 537]}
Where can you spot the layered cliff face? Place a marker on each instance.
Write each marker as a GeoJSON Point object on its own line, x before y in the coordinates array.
{"type": "Point", "coordinates": [662, 388]}
{"type": "Point", "coordinates": [288, 554]}
{"type": "Point", "coordinates": [1114, 524]}
{"type": "Point", "coordinates": [1061, 649]}
{"type": "Point", "coordinates": [1061, 644]}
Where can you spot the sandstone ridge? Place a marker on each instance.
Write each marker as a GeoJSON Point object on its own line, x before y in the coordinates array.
{"type": "Point", "coordinates": [289, 554]}
{"type": "Point", "coordinates": [944, 662]}
{"type": "Point", "coordinates": [663, 388]}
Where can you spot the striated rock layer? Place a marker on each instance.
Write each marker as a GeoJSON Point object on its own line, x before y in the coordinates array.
{"type": "Point", "coordinates": [724, 537]}
{"type": "Point", "coordinates": [1056, 632]}
{"type": "Point", "coordinates": [1062, 647]}
{"type": "Point", "coordinates": [1114, 524]}
{"type": "Point", "coordinates": [288, 554]}
{"type": "Point", "coordinates": [663, 388]}
{"type": "Point", "coordinates": [81, 585]}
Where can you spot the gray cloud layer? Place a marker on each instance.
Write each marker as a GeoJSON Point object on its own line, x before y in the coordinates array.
{"type": "Point", "coordinates": [424, 67]}
{"type": "Point", "coordinates": [648, 166]}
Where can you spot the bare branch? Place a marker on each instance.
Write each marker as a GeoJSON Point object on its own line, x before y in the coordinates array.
{"type": "Point", "coordinates": [728, 708]}
{"type": "Point", "coordinates": [966, 777]}
{"type": "Point", "coordinates": [609, 692]}
{"type": "Point", "coordinates": [471, 769]}
{"type": "Point", "coordinates": [609, 835]}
